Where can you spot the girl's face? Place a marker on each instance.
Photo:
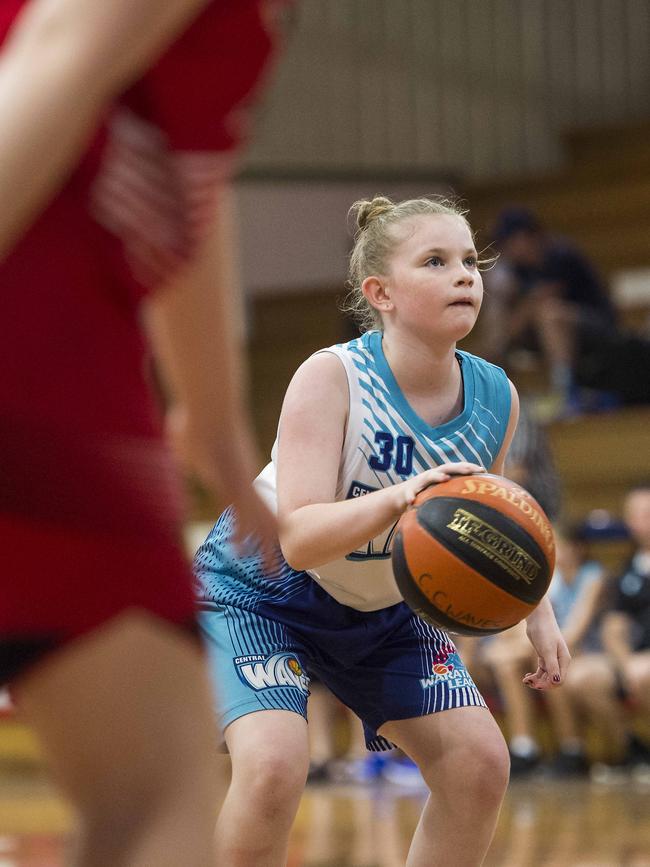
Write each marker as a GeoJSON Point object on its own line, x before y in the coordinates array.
{"type": "Point", "coordinates": [433, 278]}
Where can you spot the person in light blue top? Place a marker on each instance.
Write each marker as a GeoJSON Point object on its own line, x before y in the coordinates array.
{"type": "Point", "coordinates": [576, 591]}
{"type": "Point", "coordinates": [364, 427]}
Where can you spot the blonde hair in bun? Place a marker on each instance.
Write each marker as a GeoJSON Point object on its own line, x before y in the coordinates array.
{"type": "Point", "coordinates": [367, 210]}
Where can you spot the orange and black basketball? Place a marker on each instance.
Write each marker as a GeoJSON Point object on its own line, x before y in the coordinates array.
{"type": "Point", "coordinates": [474, 555]}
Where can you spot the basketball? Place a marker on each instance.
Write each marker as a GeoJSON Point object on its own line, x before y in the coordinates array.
{"type": "Point", "coordinates": [473, 555]}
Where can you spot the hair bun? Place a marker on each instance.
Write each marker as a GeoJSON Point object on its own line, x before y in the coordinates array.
{"type": "Point", "coordinates": [367, 210]}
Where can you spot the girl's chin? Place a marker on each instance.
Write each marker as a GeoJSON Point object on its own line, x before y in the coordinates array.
{"type": "Point", "coordinates": [461, 324]}
{"type": "Point", "coordinates": [445, 327]}
{"type": "Point", "coordinates": [438, 336]}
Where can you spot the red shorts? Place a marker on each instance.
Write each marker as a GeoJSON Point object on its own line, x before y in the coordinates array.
{"type": "Point", "coordinates": [64, 583]}
{"type": "Point", "coordinates": [88, 528]}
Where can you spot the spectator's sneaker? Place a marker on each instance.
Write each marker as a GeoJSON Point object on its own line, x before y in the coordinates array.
{"type": "Point", "coordinates": [319, 772]}
{"type": "Point", "coordinates": [638, 752]}
{"type": "Point", "coordinates": [403, 772]}
{"type": "Point", "coordinates": [569, 764]}
{"type": "Point", "coordinates": [522, 765]}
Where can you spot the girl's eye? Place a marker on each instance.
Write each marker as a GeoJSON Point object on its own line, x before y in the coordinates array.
{"type": "Point", "coordinates": [471, 261]}
{"type": "Point", "coordinates": [434, 260]}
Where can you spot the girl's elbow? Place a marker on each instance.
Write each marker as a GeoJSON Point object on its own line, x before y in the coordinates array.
{"type": "Point", "coordinates": [292, 553]}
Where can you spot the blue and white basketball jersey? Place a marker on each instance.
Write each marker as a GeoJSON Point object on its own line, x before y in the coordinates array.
{"type": "Point", "coordinates": [385, 443]}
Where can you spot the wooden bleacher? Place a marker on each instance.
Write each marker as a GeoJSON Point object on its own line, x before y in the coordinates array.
{"type": "Point", "coordinates": [599, 457]}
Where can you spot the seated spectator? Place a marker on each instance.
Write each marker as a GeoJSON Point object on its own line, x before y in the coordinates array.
{"type": "Point", "coordinates": [603, 357]}
{"type": "Point", "coordinates": [535, 270]}
{"type": "Point", "coordinates": [626, 627]}
{"type": "Point", "coordinates": [577, 599]}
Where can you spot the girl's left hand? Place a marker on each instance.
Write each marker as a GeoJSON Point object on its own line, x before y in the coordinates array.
{"type": "Point", "coordinates": [551, 648]}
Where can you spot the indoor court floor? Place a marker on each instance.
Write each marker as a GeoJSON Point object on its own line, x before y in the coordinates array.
{"type": "Point", "coordinates": [543, 824]}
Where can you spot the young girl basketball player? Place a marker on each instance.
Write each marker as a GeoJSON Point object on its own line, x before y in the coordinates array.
{"type": "Point", "coordinates": [365, 426]}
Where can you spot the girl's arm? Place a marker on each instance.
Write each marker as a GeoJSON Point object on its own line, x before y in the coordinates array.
{"type": "Point", "coordinates": [313, 528]}
{"type": "Point", "coordinates": [61, 64]}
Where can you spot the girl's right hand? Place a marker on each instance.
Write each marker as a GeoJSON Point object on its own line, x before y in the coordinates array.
{"type": "Point", "coordinates": [407, 491]}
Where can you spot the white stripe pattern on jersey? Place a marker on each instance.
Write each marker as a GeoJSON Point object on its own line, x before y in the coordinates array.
{"type": "Point", "coordinates": [157, 201]}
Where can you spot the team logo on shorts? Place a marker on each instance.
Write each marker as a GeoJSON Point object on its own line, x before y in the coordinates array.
{"type": "Point", "coordinates": [266, 672]}
{"type": "Point", "coordinates": [450, 670]}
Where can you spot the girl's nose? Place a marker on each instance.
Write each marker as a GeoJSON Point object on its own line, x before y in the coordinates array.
{"type": "Point", "coordinates": [464, 278]}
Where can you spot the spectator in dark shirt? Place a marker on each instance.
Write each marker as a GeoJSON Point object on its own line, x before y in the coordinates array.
{"type": "Point", "coordinates": [535, 273]}
{"type": "Point", "coordinates": [605, 358]}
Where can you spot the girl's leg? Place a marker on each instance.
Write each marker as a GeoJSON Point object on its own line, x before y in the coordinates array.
{"type": "Point", "coordinates": [125, 718]}
{"type": "Point", "coordinates": [464, 761]}
{"type": "Point", "coordinates": [270, 759]}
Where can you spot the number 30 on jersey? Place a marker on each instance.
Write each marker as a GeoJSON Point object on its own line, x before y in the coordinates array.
{"type": "Point", "coordinates": [396, 453]}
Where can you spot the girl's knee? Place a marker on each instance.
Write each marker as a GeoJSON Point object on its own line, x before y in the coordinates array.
{"type": "Point", "coordinates": [273, 780]}
{"type": "Point", "coordinates": [491, 760]}
{"type": "Point", "coordinates": [479, 769]}
{"type": "Point", "coordinates": [270, 753]}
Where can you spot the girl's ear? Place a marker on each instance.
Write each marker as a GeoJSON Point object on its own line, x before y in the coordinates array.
{"type": "Point", "coordinates": [377, 293]}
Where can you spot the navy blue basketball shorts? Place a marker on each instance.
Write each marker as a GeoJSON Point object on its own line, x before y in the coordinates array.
{"type": "Point", "coordinates": [384, 665]}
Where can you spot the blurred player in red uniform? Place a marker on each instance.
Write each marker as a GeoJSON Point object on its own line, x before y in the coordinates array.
{"type": "Point", "coordinates": [118, 123]}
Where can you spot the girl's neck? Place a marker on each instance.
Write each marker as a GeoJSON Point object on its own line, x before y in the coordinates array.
{"type": "Point", "coordinates": [419, 368]}
{"type": "Point", "coordinates": [429, 377]}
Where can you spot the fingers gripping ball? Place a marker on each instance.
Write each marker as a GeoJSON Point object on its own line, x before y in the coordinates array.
{"type": "Point", "coordinates": [474, 555]}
